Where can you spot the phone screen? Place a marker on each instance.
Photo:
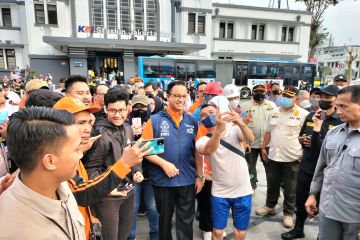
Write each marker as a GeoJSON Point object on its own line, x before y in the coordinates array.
{"type": "Point", "coordinates": [4, 167]}
{"type": "Point", "coordinates": [157, 144]}
{"type": "Point", "coordinates": [137, 126]}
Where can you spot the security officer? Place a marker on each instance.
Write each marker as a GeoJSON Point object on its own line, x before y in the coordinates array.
{"type": "Point", "coordinates": [285, 151]}
{"type": "Point", "coordinates": [340, 81]}
{"type": "Point", "coordinates": [258, 110]}
{"type": "Point", "coordinates": [312, 134]}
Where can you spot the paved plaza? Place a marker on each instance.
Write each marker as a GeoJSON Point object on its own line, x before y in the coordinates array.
{"type": "Point", "coordinates": [261, 228]}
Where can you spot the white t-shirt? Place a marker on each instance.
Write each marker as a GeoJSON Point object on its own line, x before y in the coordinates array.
{"type": "Point", "coordinates": [230, 172]}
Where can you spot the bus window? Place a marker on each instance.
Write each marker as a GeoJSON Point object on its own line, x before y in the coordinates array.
{"type": "Point", "coordinates": [190, 71]}
{"type": "Point", "coordinates": [180, 71]}
{"type": "Point", "coordinates": [241, 74]}
{"type": "Point", "coordinates": [288, 74]}
{"type": "Point", "coordinates": [166, 69]}
{"type": "Point", "coordinates": [205, 70]}
{"type": "Point", "coordinates": [151, 68]}
{"type": "Point", "coordinates": [258, 71]}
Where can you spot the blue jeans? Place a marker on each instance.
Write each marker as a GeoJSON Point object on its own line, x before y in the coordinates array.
{"type": "Point", "coordinates": [153, 216]}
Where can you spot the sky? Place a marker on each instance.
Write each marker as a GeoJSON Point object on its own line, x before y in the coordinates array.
{"type": "Point", "coordinates": [342, 20]}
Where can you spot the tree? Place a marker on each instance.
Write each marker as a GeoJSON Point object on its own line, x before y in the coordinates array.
{"type": "Point", "coordinates": [317, 33]}
{"type": "Point", "coordinates": [352, 56]}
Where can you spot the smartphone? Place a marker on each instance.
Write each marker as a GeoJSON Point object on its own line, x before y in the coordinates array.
{"type": "Point", "coordinates": [3, 116]}
{"type": "Point", "coordinates": [322, 115]}
{"type": "Point", "coordinates": [4, 166]}
{"type": "Point", "coordinates": [157, 144]}
{"type": "Point", "coordinates": [137, 125]}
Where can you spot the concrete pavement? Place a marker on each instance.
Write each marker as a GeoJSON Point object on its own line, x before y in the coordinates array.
{"type": "Point", "coordinates": [260, 228]}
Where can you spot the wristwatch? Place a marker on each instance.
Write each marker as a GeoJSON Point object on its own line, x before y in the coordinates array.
{"type": "Point", "coordinates": [202, 177]}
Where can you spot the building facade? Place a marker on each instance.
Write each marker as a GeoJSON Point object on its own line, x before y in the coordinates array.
{"type": "Point", "coordinates": [332, 60]}
{"type": "Point", "coordinates": [65, 37]}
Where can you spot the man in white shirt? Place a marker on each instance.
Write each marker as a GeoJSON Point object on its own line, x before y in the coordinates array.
{"type": "Point", "coordinates": [285, 151]}
{"type": "Point", "coordinates": [45, 145]}
{"type": "Point", "coordinates": [12, 99]}
{"type": "Point", "coordinates": [231, 186]}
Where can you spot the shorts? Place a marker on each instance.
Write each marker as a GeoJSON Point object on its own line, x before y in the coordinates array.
{"type": "Point", "coordinates": [240, 207]}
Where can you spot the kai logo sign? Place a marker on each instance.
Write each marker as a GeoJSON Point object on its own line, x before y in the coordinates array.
{"type": "Point", "coordinates": [85, 29]}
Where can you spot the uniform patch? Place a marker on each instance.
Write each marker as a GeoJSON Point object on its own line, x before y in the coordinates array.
{"type": "Point", "coordinates": [310, 124]}
{"type": "Point", "coordinates": [164, 129]}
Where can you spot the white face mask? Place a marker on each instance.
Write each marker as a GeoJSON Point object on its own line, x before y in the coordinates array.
{"type": "Point", "coordinates": [234, 103]}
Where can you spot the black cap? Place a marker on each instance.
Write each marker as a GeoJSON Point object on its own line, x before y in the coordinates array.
{"type": "Point", "coordinates": [290, 91]}
{"type": "Point", "coordinates": [259, 88]}
{"type": "Point", "coordinates": [331, 90]}
{"type": "Point", "coordinates": [340, 77]}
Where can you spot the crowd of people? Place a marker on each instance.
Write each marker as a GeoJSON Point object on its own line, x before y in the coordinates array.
{"type": "Point", "coordinates": [76, 161]}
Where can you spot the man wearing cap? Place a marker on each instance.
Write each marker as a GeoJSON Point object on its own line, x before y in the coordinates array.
{"type": "Point", "coordinates": [232, 93]}
{"type": "Point", "coordinates": [211, 90]}
{"type": "Point", "coordinates": [32, 85]}
{"type": "Point", "coordinates": [340, 81]}
{"type": "Point", "coordinates": [311, 137]}
{"type": "Point", "coordinates": [337, 175]}
{"type": "Point", "coordinates": [89, 192]}
{"type": "Point", "coordinates": [258, 110]}
{"type": "Point", "coordinates": [285, 152]}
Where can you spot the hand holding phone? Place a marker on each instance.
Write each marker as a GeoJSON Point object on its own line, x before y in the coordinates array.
{"type": "Point", "coordinates": [136, 126]}
{"type": "Point", "coordinates": [157, 145]}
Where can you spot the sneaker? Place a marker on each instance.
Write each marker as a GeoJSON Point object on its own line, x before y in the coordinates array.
{"type": "Point", "coordinates": [263, 211]}
{"type": "Point", "coordinates": [293, 234]}
{"type": "Point", "coordinates": [207, 235]}
{"type": "Point", "coordinates": [141, 214]}
{"type": "Point", "coordinates": [288, 221]}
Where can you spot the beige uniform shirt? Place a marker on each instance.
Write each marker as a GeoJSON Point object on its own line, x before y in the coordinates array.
{"type": "Point", "coordinates": [285, 128]}
{"type": "Point", "coordinates": [261, 114]}
{"type": "Point", "coordinates": [25, 214]}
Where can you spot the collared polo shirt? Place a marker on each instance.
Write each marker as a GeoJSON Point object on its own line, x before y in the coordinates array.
{"type": "Point", "coordinates": [285, 128]}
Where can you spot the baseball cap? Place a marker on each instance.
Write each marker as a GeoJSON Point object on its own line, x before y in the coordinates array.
{"type": "Point", "coordinates": [259, 88]}
{"type": "Point", "coordinates": [340, 77]}
{"type": "Point", "coordinates": [35, 84]}
{"type": "Point", "coordinates": [74, 105]}
{"type": "Point", "coordinates": [331, 90]}
{"type": "Point", "coordinates": [231, 91]}
{"type": "Point", "coordinates": [290, 91]}
{"type": "Point", "coordinates": [214, 88]}
{"type": "Point", "coordinates": [142, 99]}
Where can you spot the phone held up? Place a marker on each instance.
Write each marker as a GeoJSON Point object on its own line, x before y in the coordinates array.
{"type": "Point", "coordinates": [321, 115]}
{"type": "Point", "coordinates": [156, 143]}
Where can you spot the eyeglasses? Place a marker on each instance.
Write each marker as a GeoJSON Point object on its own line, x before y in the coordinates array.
{"type": "Point", "coordinates": [115, 111]}
{"type": "Point", "coordinates": [179, 96]}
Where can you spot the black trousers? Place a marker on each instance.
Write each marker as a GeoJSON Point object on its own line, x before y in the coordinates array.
{"type": "Point", "coordinates": [251, 159]}
{"type": "Point", "coordinates": [302, 194]}
{"type": "Point", "coordinates": [285, 173]}
{"type": "Point", "coordinates": [183, 199]}
{"type": "Point", "coordinates": [116, 217]}
{"type": "Point", "coordinates": [204, 207]}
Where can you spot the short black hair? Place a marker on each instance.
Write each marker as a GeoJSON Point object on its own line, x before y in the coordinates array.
{"type": "Point", "coordinates": [274, 83]}
{"type": "Point", "coordinates": [73, 79]}
{"type": "Point", "coordinates": [35, 131]}
{"type": "Point", "coordinates": [150, 83]}
{"type": "Point", "coordinates": [116, 94]}
{"type": "Point", "coordinates": [101, 84]}
{"type": "Point", "coordinates": [315, 89]}
{"type": "Point", "coordinates": [201, 83]}
{"type": "Point", "coordinates": [42, 98]}
{"type": "Point", "coordinates": [173, 84]}
{"type": "Point", "coordinates": [355, 93]}
{"type": "Point", "coordinates": [208, 105]}
{"type": "Point", "coordinates": [63, 80]}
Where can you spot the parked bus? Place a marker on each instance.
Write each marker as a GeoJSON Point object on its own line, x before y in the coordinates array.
{"type": "Point", "coordinates": [248, 73]}
{"type": "Point", "coordinates": [179, 67]}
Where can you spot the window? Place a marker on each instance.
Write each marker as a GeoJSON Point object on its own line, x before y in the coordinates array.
{"type": "Point", "coordinates": [139, 20]}
{"type": "Point", "coordinates": [98, 17]}
{"type": "Point", "coordinates": [151, 17]}
{"type": "Point", "coordinates": [10, 58]}
{"type": "Point", "coordinates": [138, 3]}
{"type": "Point", "coordinates": [52, 14]}
{"type": "Point", "coordinates": [2, 62]}
{"type": "Point", "coordinates": [287, 34]}
{"type": "Point", "coordinates": [125, 20]}
{"type": "Point", "coordinates": [283, 34]}
{"type": "Point", "coordinates": [253, 32]}
{"type": "Point", "coordinates": [258, 32]}
{"type": "Point", "coordinates": [222, 30]}
{"type": "Point", "coordinates": [39, 14]}
{"type": "Point", "coordinates": [111, 14]}
{"type": "Point", "coordinates": [291, 34]}
{"type": "Point", "coordinates": [191, 23]}
{"type": "Point", "coordinates": [261, 31]}
{"type": "Point", "coordinates": [6, 17]}
{"type": "Point", "coordinates": [230, 31]}
{"type": "Point", "coordinates": [201, 24]}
